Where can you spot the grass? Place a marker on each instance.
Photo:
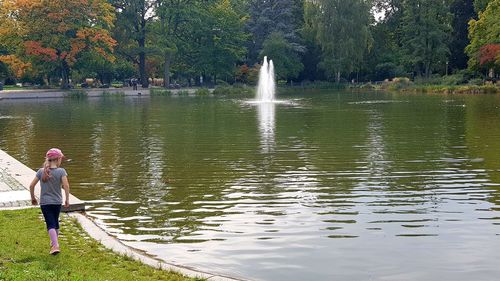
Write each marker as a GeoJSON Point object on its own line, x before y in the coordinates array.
{"type": "Point", "coordinates": [160, 92]}
{"type": "Point", "coordinates": [24, 254]}
{"type": "Point", "coordinates": [15, 87]}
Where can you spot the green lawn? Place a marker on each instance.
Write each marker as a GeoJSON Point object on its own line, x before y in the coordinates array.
{"type": "Point", "coordinates": [24, 247]}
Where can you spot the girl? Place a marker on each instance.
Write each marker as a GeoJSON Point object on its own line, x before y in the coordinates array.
{"type": "Point", "coordinates": [52, 178]}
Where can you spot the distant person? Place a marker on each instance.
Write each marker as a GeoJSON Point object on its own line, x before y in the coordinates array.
{"type": "Point", "coordinates": [134, 84]}
{"type": "Point", "coordinates": [52, 177]}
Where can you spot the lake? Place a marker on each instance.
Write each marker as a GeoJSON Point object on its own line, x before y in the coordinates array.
{"type": "Point", "coordinates": [326, 185]}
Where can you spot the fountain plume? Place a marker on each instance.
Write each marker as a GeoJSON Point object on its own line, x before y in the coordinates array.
{"type": "Point", "coordinates": [267, 86]}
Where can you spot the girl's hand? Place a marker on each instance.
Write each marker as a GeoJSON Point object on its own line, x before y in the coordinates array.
{"type": "Point", "coordinates": [33, 201]}
{"type": "Point", "coordinates": [66, 204]}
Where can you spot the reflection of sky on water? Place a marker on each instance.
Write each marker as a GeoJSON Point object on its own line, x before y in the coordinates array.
{"type": "Point", "coordinates": [311, 192]}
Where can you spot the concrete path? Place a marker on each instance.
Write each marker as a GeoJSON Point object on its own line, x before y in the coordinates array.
{"type": "Point", "coordinates": [15, 179]}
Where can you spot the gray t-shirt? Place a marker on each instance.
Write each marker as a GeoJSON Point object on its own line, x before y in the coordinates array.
{"type": "Point", "coordinates": [50, 191]}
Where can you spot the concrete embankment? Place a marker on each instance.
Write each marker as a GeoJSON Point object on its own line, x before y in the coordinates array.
{"type": "Point", "coordinates": [43, 94]}
{"type": "Point", "coordinates": [15, 179]}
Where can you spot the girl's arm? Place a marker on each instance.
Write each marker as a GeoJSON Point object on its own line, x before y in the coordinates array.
{"type": "Point", "coordinates": [65, 184]}
{"type": "Point", "coordinates": [32, 191]}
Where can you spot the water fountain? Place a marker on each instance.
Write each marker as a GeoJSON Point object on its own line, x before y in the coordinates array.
{"type": "Point", "coordinates": [267, 86]}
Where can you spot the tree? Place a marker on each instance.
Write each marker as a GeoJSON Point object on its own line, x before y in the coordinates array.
{"type": "Point", "coordinates": [268, 16]}
{"type": "Point", "coordinates": [217, 39]}
{"type": "Point", "coordinates": [173, 17]}
{"type": "Point", "coordinates": [57, 32]}
{"type": "Point", "coordinates": [342, 31]}
{"type": "Point", "coordinates": [132, 29]}
{"type": "Point", "coordinates": [463, 12]}
{"type": "Point", "coordinates": [484, 34]}
{"type": "Point", "coordinates": [286, 61]}
{"type": "Point", "coordinates": [480, 5]}
{"type": "Point", "coordinates": [425, 27]}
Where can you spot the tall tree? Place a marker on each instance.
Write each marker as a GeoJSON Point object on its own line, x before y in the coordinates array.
{"type": "Point", "coordinates": [58, 32]}
{"type": "Point", "coordinates": [267, 16]}
{"type": "Point", "coordinates": [218, 39]}
{"type": "Point", "coordinates": [463, 12]}
{"type": "Point", "coordinates": [173, 21]}
{"type": "Point", "coordinates": [426, 28]}
{"type": "Point", "coordinates": [132, 29]}
{"type": "Point", "coordinates": [484, 35]}
{"type": "Point", "coordinates": [342, 29]}
{"type": "Point", "coordinates": [286, 61]}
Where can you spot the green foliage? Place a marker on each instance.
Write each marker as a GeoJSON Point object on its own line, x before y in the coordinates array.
{"type": "Point", "coordinates": [76, 94]}
{"type": "Point", "coordinates": [183, 93]}
{"type": "Point", "coordinates": [287, 63]}
{"type": "Point", "coordinates": [463, 12]}
{"type": "Point", "coordinates": [307, 40]}
{"type": "Point", "coordinates": [202, 92]}
{"type": "Point", "coordinates": [274, 16]}
{"type": "Point", "coordinates": [398, 84]}
{"type": "Point", "coordinates": [220, 38]}
{"type": "Point", "coordinates": [323, 85]}
{"type": "Point", "coordinates": [484, 31]}
{"type": "Point", "coordinates": [480, 5]}
{"type": "Point", "coordinates": [107, 94]}
{"type": "Point", "coordinates": [159, 92]}
{"type": "Point", "coordinates": [426, 28]}
{"type": "Point", "coordinates": [233, 91]}
{"type": "Point", "coordinates": [387, 70]}
{"type": "Point", "coordinates": [342, 31]}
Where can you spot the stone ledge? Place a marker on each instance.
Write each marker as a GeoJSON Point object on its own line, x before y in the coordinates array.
{"type": "Point", "coordinates": [21, 174]}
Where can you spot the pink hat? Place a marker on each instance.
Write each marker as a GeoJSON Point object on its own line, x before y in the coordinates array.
{"type": "Point", "coordinates": [54, 153]}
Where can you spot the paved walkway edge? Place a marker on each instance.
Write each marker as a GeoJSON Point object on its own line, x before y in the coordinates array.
{"type": "Point", "coordinates": [24, 175]}
{"type": "Point", "coordinates": [117, 246]}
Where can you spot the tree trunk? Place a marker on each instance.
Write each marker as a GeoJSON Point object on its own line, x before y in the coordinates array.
{"type": "Point", "coordinates": [142, 53]}
{"type": "Point", "coordinates": [338, 76]}
{"type": "Point", "coordinates": [142, 64]}
{"type": "Point", "coordinates": [427, 70]}
{"type": "Point", "coordinates": [166, 69]}
{"type": "Point", "coordinates": [64, 75]}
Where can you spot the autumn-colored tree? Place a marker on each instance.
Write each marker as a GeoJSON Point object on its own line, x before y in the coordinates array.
{"type": "Point", "coordinates": [484, 35]}
{"type": "Point", "coordinates": [58, 32]}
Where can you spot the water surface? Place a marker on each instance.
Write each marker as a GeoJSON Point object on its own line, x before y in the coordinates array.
{"type": "Point", "coordinates": [325, 186]}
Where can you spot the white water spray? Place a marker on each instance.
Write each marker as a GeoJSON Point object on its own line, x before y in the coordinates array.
{"type": "Point", "coordinates": [267, 86]}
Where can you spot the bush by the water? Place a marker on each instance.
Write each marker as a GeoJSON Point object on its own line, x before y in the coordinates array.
{"type": "Point", "coordinates": [233, 91]}
{"type": "Point", "coordinates": [77, 94]}
{"type": "Point", "coordinates": [160, 92]}
{"type": "Point", "coordinates": [322, 85]}
{"type": "Point", "coordinates": [397, 84]}
{"type": "Point", "coordinates": [107, 94]}
{"type": "Point", "coordinates": [202, 92]}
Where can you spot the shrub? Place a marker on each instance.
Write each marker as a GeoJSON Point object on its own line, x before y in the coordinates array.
{"type": "Point", "coordinates": [476, 81]}
{"type": "Point", "coordinates": [77, 94]}
{"type": "Point", "coordinates": [160, 92]}
{"type": "Point", "coordinates": [113, 94]}
{"type": "Point", "coordinates": [202, 92]}
{"type": "Point", "coordinates": [233, 91]}
{"type": "Point", "coordinates": [183, 93]}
